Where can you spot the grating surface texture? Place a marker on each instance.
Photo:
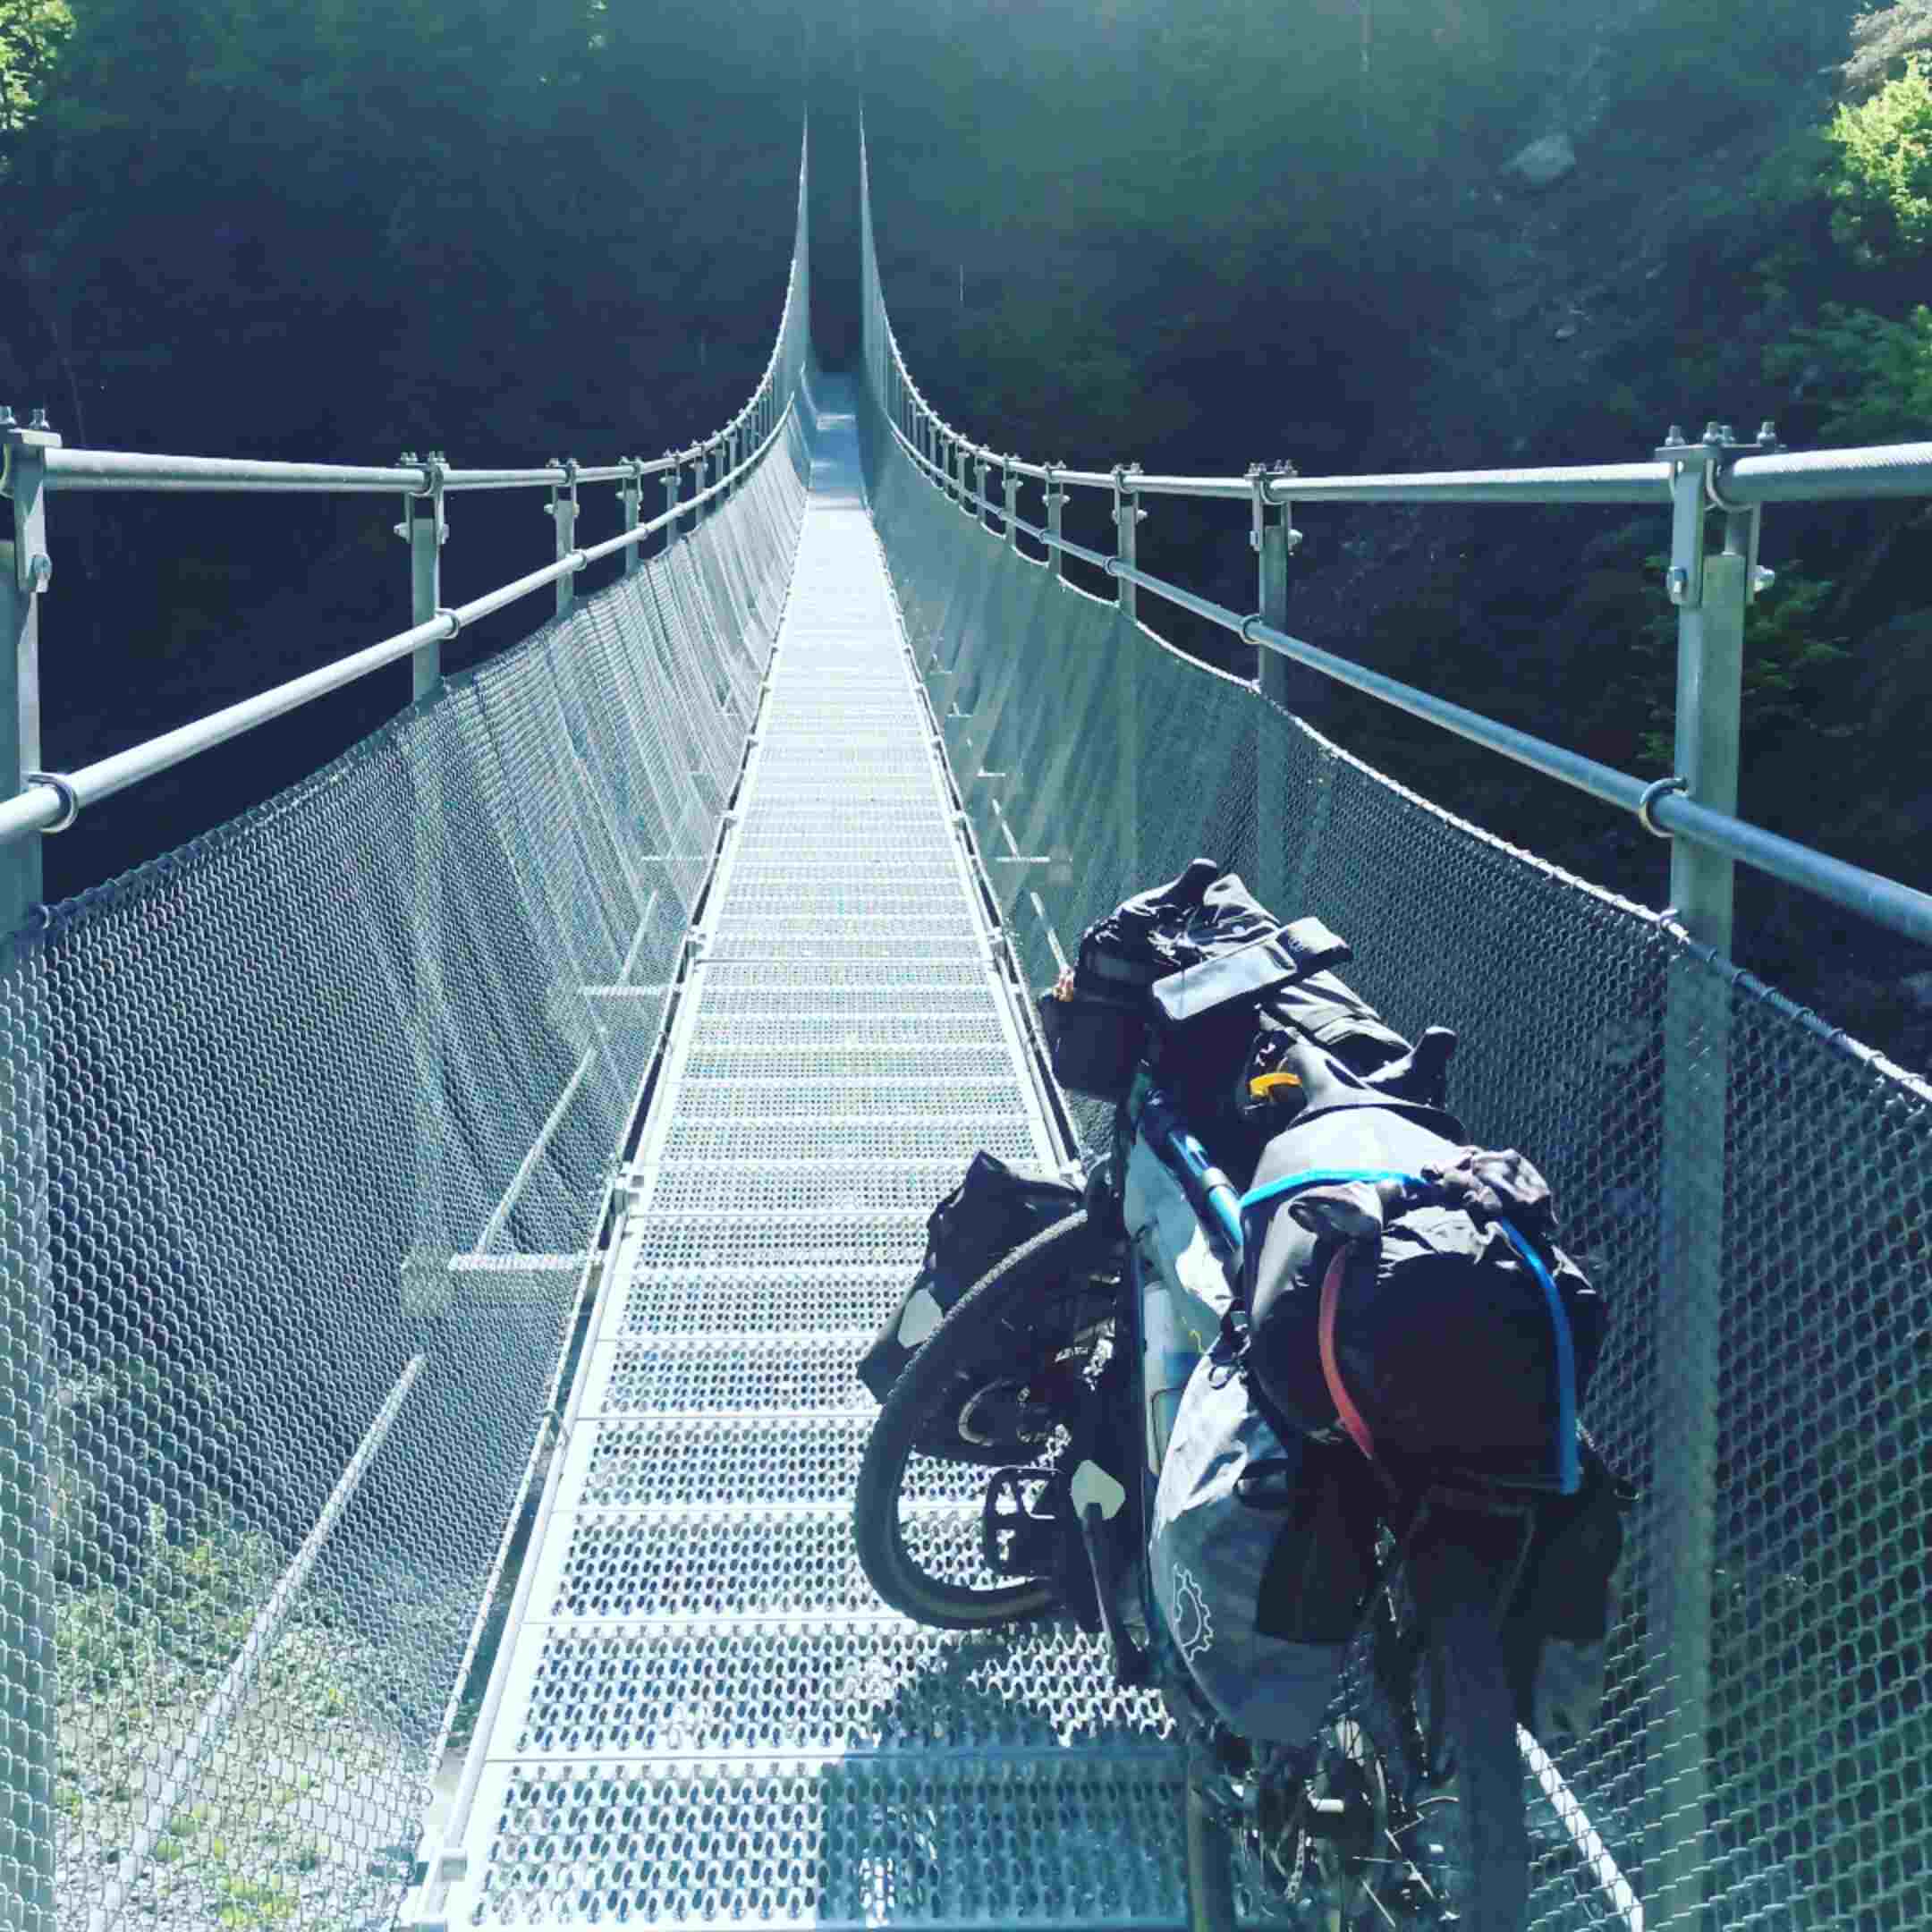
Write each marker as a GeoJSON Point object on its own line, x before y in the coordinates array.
{"type": "Point", "coordinates": [707, 1717]}
{"type": "Point", "coordinates": [326, 1107]}
{"type": "Point", "coordinates": [307, 1130]}
{"type": "Point", "coordinates": [1766, 1746]}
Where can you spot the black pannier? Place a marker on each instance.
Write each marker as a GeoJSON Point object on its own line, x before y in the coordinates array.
{"type": "Point", "coordinates": [1556, 1629]}
{"type": "Point", "coordinates": [994, 1209]}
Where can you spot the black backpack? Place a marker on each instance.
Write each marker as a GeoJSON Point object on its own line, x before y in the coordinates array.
{"type": "Point", "coordinates": [1458, 1333]}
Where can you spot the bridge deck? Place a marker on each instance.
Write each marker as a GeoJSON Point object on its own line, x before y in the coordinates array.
{"type": "Point", "coordinates": [707, 1717]}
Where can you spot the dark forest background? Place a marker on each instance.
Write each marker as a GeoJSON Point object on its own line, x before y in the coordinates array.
{"type": "Point", "coordinates": [1194, 236]}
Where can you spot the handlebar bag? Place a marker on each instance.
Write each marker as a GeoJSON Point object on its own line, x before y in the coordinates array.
{"type": "Point", "coordinates": [995, 1209]}
{"type": "Point", "coordinates": [1193, 957]}
{"type": "Point", "coordinates": [1263, 1545]}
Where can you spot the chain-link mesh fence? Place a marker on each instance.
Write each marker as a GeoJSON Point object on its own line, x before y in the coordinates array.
{"type": "Point", "coordinates": [307, 1127]}
{"type": "Point", "coordinates": [1752, 1191]}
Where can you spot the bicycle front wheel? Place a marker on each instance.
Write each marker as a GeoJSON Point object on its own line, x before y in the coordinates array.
{"type": "Point", "coordinates": [992, 1386]}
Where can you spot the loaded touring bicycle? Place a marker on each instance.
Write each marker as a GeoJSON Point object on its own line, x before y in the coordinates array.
{"type": "Point", "coordinates": [1284, 1402]}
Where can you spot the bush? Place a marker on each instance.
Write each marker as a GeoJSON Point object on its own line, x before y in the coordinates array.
{"type": "Point", "coordinates": [1881, 184]}
{"type": "Point", "coordinates": [1790, 672]}
{"type": "Point", "coordinates": [1874, 375]}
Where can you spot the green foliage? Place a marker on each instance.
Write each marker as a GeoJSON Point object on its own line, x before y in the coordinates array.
{"type": "Point", "coordinates": [1791, 670]}
{"type": "Point", "coordinates": [1881, 185]}
{"type": "Point", "coordinates": [1876, 374]}
{"type": "Point", "coordinates": [31, 35]}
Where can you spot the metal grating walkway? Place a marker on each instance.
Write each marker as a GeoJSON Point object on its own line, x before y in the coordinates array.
{"type": "Point", "coordinates": [707, 1718]}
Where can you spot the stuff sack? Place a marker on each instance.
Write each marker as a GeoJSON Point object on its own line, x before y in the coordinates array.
{"type": "Point", "coordinates": [1460, 1333]}
{"type": "Point", "coordinates": [994, 1209]}
{"type": "Point", "coordinates": [1556, 1628]}
{"type": "Point", "coordinates": [1196, 956]}
{"type": "Point", "coordinates": [1262, 1550]}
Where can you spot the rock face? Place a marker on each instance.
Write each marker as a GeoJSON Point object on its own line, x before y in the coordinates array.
{"type": "Point", "coordinates": [1544, 161]}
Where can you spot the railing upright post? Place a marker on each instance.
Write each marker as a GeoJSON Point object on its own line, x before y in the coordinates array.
{"type": "Point", "coordinates": [671, 477]}
{"type": "Point", "coordinates": [1274, 540]}
{"type": "Point", "coordinates": [25, 573]}
{"type": "Point", "coordinates": [630, 494]}
{"type": "Point", "coordinates": [563, 512]}
{"type": "Point", "coordinates": [1128, 517]}
{"type": "Point", "coordinates": [1710, 593]}
{"type": "Point", "coordinates": [1010, 476]}
{"type": "Point", "coordinates": [27, 1661]}
{"type": "Point", "coordinates": [425, 526]}
{"type": "Point", "coordinates": [980, 466]}
{"type": "Point", "coordinates": [1055, 509]}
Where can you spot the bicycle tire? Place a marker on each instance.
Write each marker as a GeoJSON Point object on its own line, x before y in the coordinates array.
{"type": "Point", "coordinates": [1479, 1721]}
{"type": "Point", "coordinates": [1210, 1867]}
{"type": "Point", "coordinates": [967, 1336]}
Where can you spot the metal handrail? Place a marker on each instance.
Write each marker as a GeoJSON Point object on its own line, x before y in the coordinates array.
{"type": "Point", "coordinates": [1886, 902]}
{"type": "Point", "coordinates": [43, 803]}
{"type": "Point", "coordinates": [1886, 469]}
{"type": "Point", "coordinates": [78, 469]}
{"type": "Point", "coordinates": [49, 801]}
{"type": "Point", "coordinates": [1812, 476]}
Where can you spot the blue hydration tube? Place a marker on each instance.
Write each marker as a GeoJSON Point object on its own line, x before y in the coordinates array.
{"type": "Point", "coordinates": [1569, 1470]}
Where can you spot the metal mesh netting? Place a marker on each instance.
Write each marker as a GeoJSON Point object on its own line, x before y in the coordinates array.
{"type": "Point", "coordinates": [306, 1129]}
{"type": "Point", "coordinates": [1765, 1746]}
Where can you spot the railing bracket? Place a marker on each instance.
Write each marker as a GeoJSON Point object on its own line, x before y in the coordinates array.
{"type": "Point", "coordinates": [69, 798]}
{"type": "Point", "coordinates": [1652, 793]}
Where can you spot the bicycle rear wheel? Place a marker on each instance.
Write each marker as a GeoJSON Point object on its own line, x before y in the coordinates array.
{"type": "Point", "coordinates": [993, 1387]}
{"type": "Point", "coordinates": [1454, 1774]}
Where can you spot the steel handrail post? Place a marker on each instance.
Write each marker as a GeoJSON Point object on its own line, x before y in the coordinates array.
{"type": "Point", "coordinates": [563, 512]}
{"type": "Point", "coordinates": [27, 1719]}
{"type": "Point", "coordinates": [1273, 538]}
{"type": "Point", "coordinates": [672, 484]}
{"type": "Point", "coordinates": [1010, 487]}
{"type": "Point", "coordinates": [980, 466]}
{"type": "Point", "coordinates": [425, 528]}
{"type": "Point", "coordinates": [26, 570]}
{"type": "Point", "coordinates": [1128, 517]}
{"type": "Point", "coordinates": [1055, 500]}
{"type": "Point", "coordinates": [630, 495]}
{"type": "Point", "coordinates": [1710, 593]}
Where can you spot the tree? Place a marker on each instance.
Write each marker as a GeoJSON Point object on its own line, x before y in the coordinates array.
{"type": "Point", "coordinates": [31, 35]}
{"type": "Point", "coordinates": [1881, 185]}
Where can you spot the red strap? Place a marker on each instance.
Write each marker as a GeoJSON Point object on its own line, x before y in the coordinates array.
{"type": "Point", "coordinates": [1350, 1415]}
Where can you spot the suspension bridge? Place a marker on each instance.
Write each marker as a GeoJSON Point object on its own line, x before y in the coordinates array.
{"type": "Point", "coordinates": [445, 1206]}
